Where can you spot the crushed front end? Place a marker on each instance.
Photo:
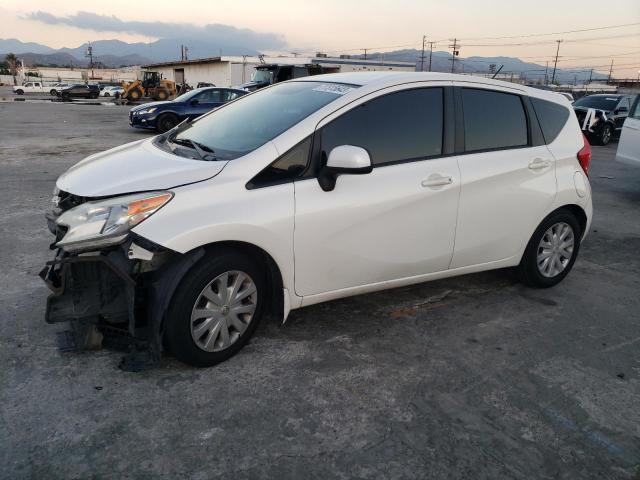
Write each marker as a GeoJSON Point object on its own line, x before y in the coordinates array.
{"type": "Point", "coordinates": [109, 284]}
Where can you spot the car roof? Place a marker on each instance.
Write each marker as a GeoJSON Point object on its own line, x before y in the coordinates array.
{"type": "Point", "coordinates": [377, 80]}
{"type": "Point", "coordinates": [617, 95]}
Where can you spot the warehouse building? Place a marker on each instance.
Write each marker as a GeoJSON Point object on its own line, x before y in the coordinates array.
{"type": "Point", "coordinates": [227, 71]}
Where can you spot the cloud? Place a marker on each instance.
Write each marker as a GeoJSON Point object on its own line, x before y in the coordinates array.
{"type": "Point", "coordinates": [215, 33]}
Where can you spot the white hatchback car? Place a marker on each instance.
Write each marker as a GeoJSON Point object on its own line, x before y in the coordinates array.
{"type": "Point", "coordinates": [311, 190]}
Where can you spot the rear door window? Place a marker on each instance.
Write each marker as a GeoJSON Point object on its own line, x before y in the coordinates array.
{"type": "Point", "coordinates": [400, 126]}
{"type": "Point", "coordinates": [551, 116]}
{"type": "Point", "coordinates": [209, 96]}
{"type": "Point", "coordinates": [493, 120]}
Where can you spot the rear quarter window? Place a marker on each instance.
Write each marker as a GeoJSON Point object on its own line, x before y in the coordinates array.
{"type": "Point", "coordinates": [551, 117]}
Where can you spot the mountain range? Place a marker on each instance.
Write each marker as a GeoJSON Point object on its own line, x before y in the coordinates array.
{"type": "Point", "coordinates": [116, 53]}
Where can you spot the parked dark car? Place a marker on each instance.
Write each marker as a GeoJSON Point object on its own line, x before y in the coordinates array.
{"type": "Point", "coordinates": [163, 116]}
{"type": "Point", "coordinates": [80, 90]}
{"type": "Point", "coordinates": [601, 116]}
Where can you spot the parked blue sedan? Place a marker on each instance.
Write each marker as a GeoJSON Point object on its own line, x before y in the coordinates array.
{"type": "Point", "coordinates": [163, 116]}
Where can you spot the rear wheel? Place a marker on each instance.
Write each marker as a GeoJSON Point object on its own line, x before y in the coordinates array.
{"type": "Point", "coordinates": [53, 92]}
{"type": "Point", "coordinates": [94, 95]}
{"type": "Point", "coordinates": [552, 250]}
{"type": "Point", "coordinates": [166, 122]}
{"type": "Point", "coordinates": [162, 94]}
{"type": "Point", "coordinates": [107, 94]}
{"type": "Point", "coordinates": [20, 92]}
{"type": "Point", "coordinates": [605, 135]}
{"type": "Point", "coordinates": [216, 309]}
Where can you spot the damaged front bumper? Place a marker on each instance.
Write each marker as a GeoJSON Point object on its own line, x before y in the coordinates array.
{"type": "Point", "coordinates": [115, 298]}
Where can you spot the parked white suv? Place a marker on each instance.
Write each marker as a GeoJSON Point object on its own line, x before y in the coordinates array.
{"type": "Point", "coordinates": [311, 190]}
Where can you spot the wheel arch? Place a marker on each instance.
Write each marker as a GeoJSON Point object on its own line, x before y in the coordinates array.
{"type": "Point", "coordinates": [275, 297]}
{"type": "Point", "coordinates": [275, 283]}
{"type": "Point", "coordinates": [576, 210]}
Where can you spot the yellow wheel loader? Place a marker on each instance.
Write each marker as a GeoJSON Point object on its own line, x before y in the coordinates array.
{"type": "Point", "coordinates": [152, 85]}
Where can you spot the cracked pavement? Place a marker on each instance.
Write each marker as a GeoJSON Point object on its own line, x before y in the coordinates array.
{"type": "Point", "coordinates": [471, 377]}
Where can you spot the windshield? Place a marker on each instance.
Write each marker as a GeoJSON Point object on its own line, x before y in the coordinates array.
{"type": "Point", "coordinates": [600, 102]}
{"type": "Point", "coordinates": [251, 121]}
{"type": "Point", "coordinates": [186, 96]}
{"type": "Point", "coordinates": [261, 76]}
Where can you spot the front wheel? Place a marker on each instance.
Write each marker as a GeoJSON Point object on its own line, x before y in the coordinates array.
{"type": "Point", "coordinates": [216, 309]}
{"type": "Point", "coordinates": [53, 92]}
{"type": "Point", "coordinates": [552, 250]}
{"type": "Point", "coordinates": [20, 92]}
{"type": "Point", "coordinates": [166, 122]}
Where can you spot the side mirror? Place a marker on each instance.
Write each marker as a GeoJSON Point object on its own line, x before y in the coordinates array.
{"type": "Point", "coordinates": [621, 110]}
{"type": "Point", "coordinates": [344, 160]}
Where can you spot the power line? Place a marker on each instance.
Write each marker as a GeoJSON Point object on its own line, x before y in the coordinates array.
{"type": "Point", "coordinates": [555, 33]}
{"type": "Point", "coordinates": [548, 42]}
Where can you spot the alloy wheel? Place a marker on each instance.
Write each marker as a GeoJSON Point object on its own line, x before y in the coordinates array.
{"type": "Point", "coordinates": [223, 311]}
{"type": "Point", "coordinates": [555, 250]}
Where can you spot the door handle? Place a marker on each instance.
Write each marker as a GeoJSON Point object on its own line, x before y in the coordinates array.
{"type": "Point", "coordinates": [437, 180]}
{"type": "Point", "coordinates": [539, 164]}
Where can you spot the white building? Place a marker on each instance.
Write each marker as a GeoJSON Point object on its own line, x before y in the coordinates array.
{"type": "Point", "coordinates": [74, 75]}
{"type": "Point", "coordinates": [227, 71]}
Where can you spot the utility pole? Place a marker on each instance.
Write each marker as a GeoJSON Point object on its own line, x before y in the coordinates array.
{"type": "Point", "coordinates": [546, 76]}
{"type": "Point", "coordinates": [424, 39]}
{"type": "Point", "coordinates": [184, 52]}
{"type": "Point", "coordinates": [430, 53]}
{"type": "Point", "coordinates": [365, 52]}
{"type": "Point", "coordinates": [610, 72]}
{"type": "Point", "coordinates": [555, 64]}
{"type": "Point", "coordinates": [89, 54]}
{"type": "Point", "coordinates": [456, 51]}
{"type": "Point", "coordinates": [586, 87]}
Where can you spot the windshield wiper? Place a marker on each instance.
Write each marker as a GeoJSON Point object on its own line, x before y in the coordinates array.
{"type": "Point", "coordinates": [203, 151]}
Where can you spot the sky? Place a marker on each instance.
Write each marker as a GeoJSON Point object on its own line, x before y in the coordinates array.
{"type": "Point", "coordinates": [347, 26]}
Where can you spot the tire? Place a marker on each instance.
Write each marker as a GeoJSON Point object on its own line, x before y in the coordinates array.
{"type": "Point", "coordinates": [533, 270]}
{"type": "Point", "coordinates": [107, 94]}
{"type": "Point", "coordinates": [20, 92]}
{"type": "Point", "coordinates": [134, 94]}
{"type": "Point", "coordinates": [605, 135]}
{"type": "Point", "coordinates": [166, 122]}
{"type": "Point", "coordinates": [187, 335]}
{"type": "Point", "coordinates": [162, 95]}
{"type": "Point", "coordinates": [94, 95]}
{"type": "Point", "coordinates": [53, 92]}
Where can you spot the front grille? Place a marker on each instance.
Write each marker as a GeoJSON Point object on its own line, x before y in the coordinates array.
{"type": "Point", "coordinates": [67, 201]}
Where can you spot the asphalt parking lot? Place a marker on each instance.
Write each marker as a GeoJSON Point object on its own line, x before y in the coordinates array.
{"type": "Point", "coordinates": [473, 377]}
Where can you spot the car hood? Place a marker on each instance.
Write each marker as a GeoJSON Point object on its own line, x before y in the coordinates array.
{"type": "Point", "coordinates": [134, 167]}
{"type": "Point", "coordinates": [144, 106]}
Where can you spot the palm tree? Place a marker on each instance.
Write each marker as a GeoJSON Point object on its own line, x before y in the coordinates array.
{"type": "Point", "coordinates": [12, 62]}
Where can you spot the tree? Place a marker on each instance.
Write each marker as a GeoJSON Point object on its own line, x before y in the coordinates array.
{"type": "Point", "coordinates": [12, 62]}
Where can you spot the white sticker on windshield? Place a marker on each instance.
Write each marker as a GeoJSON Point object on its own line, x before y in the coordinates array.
{"type": "Point", "coordinates": [335, 88]}
{"type": "Point", "coordinates": [611, 98]}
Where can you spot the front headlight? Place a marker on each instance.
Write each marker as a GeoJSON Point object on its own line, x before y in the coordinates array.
{"type": "Point", "coordinates": [147, 110]}
{"type": "Point", "coordinates": [107, 222]}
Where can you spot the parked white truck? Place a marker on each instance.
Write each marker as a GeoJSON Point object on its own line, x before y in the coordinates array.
{"type": "Point", "coordinates": [31, 87]}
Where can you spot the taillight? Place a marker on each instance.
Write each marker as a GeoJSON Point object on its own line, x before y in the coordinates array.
{"type": "Point", "coordinates": [584, 155]}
